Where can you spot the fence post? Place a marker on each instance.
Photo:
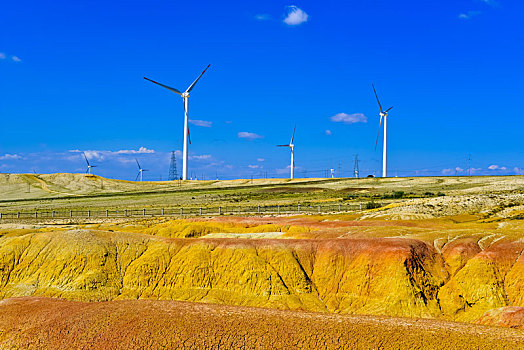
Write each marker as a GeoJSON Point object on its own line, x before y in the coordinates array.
{"type": "Point", "coordinates": [53, 214]}
{"type": "Point", "coordinates": [319, 208]}
{"type": "Point", "coordinates": [88, 213]}
{"type": "Point", "coordinates": [70, 213]}
{"type": "Point", "coordinates": [107, 213]}
{"type": "Point", "coordinates": [125, 212]}
{"type": "Point", "coordinates": [339, 207]}
{"type": "Point", "coordinates": [200, 211]}
{"type": "Point", "coordinates": [299, 208]}
{"type": "Point", "coordinates": [360, 206]}
{"type": "Point", "coordinates": [239, 210]}
{"type": "Point", "coordinates": [162, 211]}
{"type": "Point", "coordinates": [219, 210]}
{"type": "Point", "coordinates": [36, 214]}
{"type": "Point", "coordinates": [259, 209]}
{"type": "Point", "coordinates": [144, 212]}
{"type": "Point", "coordinates": [18, 215]}
{"type": "Point", "coordinates": [181, 211]}
{"type": "Point", "coordinates": [0, 216]}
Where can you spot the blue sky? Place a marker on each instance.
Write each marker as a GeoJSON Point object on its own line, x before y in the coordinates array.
{"type": "Point", "coordinates": [71, 79]}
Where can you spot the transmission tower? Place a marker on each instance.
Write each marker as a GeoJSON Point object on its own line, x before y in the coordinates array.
{"type": "Point", "coordinates": [355, 169]}
{"type": "Point", "coordinates": [173, 174]}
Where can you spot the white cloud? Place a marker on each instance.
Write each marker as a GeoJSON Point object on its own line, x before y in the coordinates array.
{"type": "Point", "coordinates": [459, 169]}
{"type": "Point", "coordinates": [262, 17]}
{"type": "Point", "coordinates": [203, 123]}
{"type": "Point", "coordinates": [447, 171]}
{"type": "Point", "coordinates": [469, 14]}
{"type": "Point", "coordinates": [16, 59]}
{"type": "Point", "coordinates": [496, 167]}
{"type": "Point", "coordinates": [328, 132]}
{"type": "Point", "coordinates": [254, 166]}
{"type": "Point", "coordinates": [141, 150]}
{"type": "Point", "coordinates": [8, 156]}
{"type": "Point", "coordinates": [518, 171]}
{"type": "Point", "coordinates": [201, 157]}
{"type": "Point", "coordinates": [349, 118]}
{"type": "Point", "coordinates": [249, 135]}
{"type": "Point", "coordinates": [2, 56]}
{"type": "Point", "coordinates": [295, 16]}
{"type": "Point", "coordinates": [260, 159]}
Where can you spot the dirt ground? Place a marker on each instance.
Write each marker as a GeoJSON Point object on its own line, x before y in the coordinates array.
{"type": "Point", "coordinates": [41, 323]}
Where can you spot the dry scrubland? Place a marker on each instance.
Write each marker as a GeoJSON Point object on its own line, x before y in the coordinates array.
{"type": "Point", "coordinates": [456, 257]}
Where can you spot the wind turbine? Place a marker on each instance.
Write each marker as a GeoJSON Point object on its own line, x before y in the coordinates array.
{"type": "Point", "coordinates": [89, 166]}
{"type": "Point", "coordinates": [185, 97]}
{"type": "Point", "coordinates": [140, 171]}
{"type": "Point", "coordinates": [383, 115]}
{"type": "Point", "coordinates": [292, 148]}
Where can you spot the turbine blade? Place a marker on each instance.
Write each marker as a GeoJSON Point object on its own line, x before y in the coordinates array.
{"type": "Point", "coordinates": [293, 137]}
{"type": "Point", "coordinates": [137, 163]}
{"type": "Point", "coordinates": [85, 158]}
{"type": "Point", "coordinates": [379, 105]}
{"type": "Point", "coordinates": [165, 86]}
{"type": "Point", "coordinates": [193, 85]}
{"type": "Point", "coordinates": [387, 110]}
{"type": "Point", "coordinates": [282, 145]}
{"type": "Point", "coordinates": [378, 134]}
{"type": "Point", "coordinates": [136, 178]}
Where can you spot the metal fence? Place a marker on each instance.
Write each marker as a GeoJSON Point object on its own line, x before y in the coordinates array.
{"type": "Point", "coordinates": [187, 211]}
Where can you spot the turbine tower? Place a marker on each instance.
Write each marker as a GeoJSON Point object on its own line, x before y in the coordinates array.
{"type": "Point", "coordinates": [140, 171]}
{"type": "Point", "coordinates": [89, 166]}
{"type": "Point", "coordinates": [185, 97]}
{"type": "Point", "coordinates": [383, 115]}
{"type": "Point", "coordinates": [292, 148]}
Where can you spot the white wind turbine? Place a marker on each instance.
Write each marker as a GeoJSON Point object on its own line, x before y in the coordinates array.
{"type": "Point", "coordinates": [292, 148]}
{"type": "Point", "coordinates": [89, 166]}
{"type": "Point", "coordinates": [383, 115]}
{"type": "Point", "coordinates": [140, 171]}
{"type": "Point", "coordinates": [185, 96]}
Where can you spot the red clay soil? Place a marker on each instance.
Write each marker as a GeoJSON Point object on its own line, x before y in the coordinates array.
{"type": "Point", "coordinates": [39, 323]}
{"type": "Point", "coordinates": [511, 317]}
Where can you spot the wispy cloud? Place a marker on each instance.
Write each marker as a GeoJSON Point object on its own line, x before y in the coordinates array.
{"type": "Point", "coordinates": [4, 56]}
{"type": "Point", "coordinates": [469, 14]}
{"type": "Point", "coordinates": [328, 132]}
{"type": "Point", "coordinates": [203, 123]}
{"type": "Point", "coordinates": [260, 159]}
{"type": "Point", "coordinates": [496, 167]}
{"type": "Point", "coordinates": [295, 16]}
{"type": "Point", "coordinates": [8, 156]}
{"type": "Point", "coordinates": [349, 118]}
{"type": "Point", "coordinates": [490, 2]}
{"type": "Point", "coordinates": [249, 135]}
{"type": "Point", "coordinates": [254, 166]}
{"type": "Point", "coordinates": [262, 17]}
{"type": "Point", "coordinates": [201, 157]}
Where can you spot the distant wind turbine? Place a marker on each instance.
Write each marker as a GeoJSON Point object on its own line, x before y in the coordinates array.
{"type": "Point", "coordinates": [292, 148]}
{"type": "Point", "coordinates": [383, 115]}
{"type": "Point", "coordinates": [89, 166]}
{"type": "Point", "coordinates": [185, 96]}
{"type": "Point", "coordinates": [140, 171]}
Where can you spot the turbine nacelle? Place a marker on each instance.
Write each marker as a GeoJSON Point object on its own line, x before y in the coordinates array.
{"type": "Point", "coordinates": [185, 95]}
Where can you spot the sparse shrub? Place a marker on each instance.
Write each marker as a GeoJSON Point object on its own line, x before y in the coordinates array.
{"type": "Point", "coordinates": [429, 194]}
{"type": "Point", "coordinates": [441, 194]}
{"type": "Point", "coordinates": [372, 205]}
